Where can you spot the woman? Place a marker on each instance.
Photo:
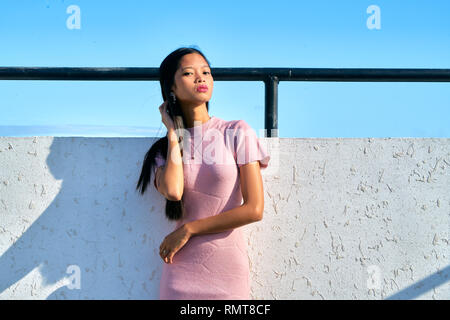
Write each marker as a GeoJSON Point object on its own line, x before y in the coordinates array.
{"type": "Point", "coordinates": [212, 183]}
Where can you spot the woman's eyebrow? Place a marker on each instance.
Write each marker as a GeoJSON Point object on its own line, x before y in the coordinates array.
{"type": "Point", "coordinates": [192, 67]}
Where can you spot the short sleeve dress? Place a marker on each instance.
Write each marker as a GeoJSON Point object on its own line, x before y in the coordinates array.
{"type": "Point", "coordinates": [212, 266]}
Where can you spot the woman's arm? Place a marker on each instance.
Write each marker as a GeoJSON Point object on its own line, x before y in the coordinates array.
{"type": "Point", "coordinates": [250, 211]}
{"type": "Point", "coordinates": [170, 180]}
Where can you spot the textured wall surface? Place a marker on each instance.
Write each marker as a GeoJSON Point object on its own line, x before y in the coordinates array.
{"type": "Point", "coordinates": [360, 218]}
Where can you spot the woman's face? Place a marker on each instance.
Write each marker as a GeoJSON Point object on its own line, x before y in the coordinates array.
{"type": "Point", "coordinates": [192, 74]}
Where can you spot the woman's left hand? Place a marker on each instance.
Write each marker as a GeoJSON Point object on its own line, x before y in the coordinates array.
{"type": "Point", "coordinates": [174, 242]}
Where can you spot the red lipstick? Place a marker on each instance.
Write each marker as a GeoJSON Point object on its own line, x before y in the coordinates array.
{"type": "Point", "coordinates": [202, 88]}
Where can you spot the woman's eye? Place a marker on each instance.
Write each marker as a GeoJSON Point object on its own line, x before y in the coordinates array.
{"type": "Point", "coordinates": [191, 72]}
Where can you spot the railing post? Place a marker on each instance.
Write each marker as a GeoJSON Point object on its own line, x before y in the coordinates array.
{"type": "Point", "coordinates": [271, 106]}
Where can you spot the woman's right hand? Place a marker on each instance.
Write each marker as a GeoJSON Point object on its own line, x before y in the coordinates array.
{"type": "Point", "coordinates": [166, 119]}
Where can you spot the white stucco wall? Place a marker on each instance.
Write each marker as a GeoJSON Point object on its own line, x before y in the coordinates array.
{"type": "Point", "coordinates": [362, 218]}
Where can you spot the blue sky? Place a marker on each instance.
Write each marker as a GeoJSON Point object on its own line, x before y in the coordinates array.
{"type": "Point", "coordinates": [312, 34]}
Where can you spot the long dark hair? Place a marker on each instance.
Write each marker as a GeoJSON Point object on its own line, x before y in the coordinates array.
{"type": "Point", "coordinates": [167, 69]}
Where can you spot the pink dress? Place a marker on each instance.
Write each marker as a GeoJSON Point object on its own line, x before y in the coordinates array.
{"type": "Point", "coordinates": [213, 266]}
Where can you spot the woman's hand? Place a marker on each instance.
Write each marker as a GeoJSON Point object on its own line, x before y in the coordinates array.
{"type": "Point", "coordinates": [166, 119]}
{"type": "Point", "coordinates": [174, 242]}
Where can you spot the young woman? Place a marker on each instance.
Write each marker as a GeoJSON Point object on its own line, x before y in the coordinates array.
{"type": "Point", "coordinates": [208, 169]}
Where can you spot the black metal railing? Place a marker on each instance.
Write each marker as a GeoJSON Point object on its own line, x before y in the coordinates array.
{"type": "Point", "coordinates": [270, 76]}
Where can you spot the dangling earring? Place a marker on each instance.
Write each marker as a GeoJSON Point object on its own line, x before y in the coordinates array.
{"type": "Point", "coordinates": [174, 98]}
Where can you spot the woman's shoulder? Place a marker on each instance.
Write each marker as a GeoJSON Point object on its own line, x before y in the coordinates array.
{"type": "Point", "coordinates": [234, 124]}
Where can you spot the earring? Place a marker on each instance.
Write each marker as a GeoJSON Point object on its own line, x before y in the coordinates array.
{"type": "Point", "coordinates": [174, 98]}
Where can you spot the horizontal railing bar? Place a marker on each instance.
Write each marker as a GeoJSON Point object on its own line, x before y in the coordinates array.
{"type": "Point", "coordinates": [270, 76]}
{"type": "Point", "coordinates": [229, 74]}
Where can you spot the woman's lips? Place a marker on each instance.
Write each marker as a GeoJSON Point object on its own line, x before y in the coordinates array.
{"type": "Point", "coordinates": [202, 89]}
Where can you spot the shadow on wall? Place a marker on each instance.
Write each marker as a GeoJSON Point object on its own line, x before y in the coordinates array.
{"type": "Point", "coordinates": [97, 222]}
{"type": "Point", "coordinates": [420, 287]}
